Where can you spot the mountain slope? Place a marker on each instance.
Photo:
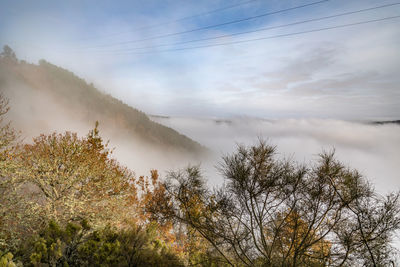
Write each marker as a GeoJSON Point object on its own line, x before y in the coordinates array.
{"type": "Point", "coordinates": [386, 122]}
{"type": "Point", "coordinates": [44, 95]}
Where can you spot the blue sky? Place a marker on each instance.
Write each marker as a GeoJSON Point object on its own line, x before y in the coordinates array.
{"type": "Point", "coordinates": [347, 73]}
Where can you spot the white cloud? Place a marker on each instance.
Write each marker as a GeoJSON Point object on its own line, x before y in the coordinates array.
{"type": "Point", "coordinates": [373, 150]}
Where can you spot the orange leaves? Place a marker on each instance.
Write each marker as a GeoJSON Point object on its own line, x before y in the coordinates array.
{"type": "Point", "coordinates": [154, 177]}
{"type": "Point", "coordinates": [290, 233]}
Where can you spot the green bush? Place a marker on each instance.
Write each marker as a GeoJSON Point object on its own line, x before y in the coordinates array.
{"type": "Point", "coordinates": [77, 244]}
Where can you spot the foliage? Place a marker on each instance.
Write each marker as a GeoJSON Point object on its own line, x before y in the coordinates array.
{"type": "Point", "coordinates": [78, 245]}
{"type": "Point", "coordinates": [8, 167]}
{"type": "Point", "coordinates": [6, 260]}
{"type": "Point", "coordinates": [64, 177]}
{"type": "Point", "coordinates": [272, 212]}
{"type": "Point", "coordinates": [8, 142]}
{"type": "Point", "coordinates": [74, 176]}
{"type": "Point", "coordinates": [56, 246]}
{"type": "Point", "coordinates": [7, 134]}
{"type": "Point", "coordinates": [8, 54]}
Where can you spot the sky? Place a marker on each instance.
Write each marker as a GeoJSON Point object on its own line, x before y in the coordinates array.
{"type": "Point", "coordinates": [146, 54]}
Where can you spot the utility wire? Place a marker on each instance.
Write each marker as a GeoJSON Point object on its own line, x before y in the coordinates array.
{"type": "Point", "coordinates": [199, 15]}
{"type": "Point", "coordinates": [180, 19]}
{"type": "Point", "coordinates": [214, 25]}
{"type": "Point", "coordinates": [268, 37]}
{"type": "Point", "coordinates": [261, 29]}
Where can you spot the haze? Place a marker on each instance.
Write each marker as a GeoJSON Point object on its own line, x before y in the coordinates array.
{"type": "Point", "coordinates": [371, 149]}
{"type": "Point", "coordinates": [319, 88]}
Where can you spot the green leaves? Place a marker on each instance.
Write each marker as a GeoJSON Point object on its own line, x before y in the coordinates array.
{"type": "Point", "coordinates": [6, 259]}
{"type": "Point", "coordinates": [78, 245]}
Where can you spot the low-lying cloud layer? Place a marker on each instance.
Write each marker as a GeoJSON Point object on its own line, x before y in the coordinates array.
{"type": "Point", "coordinates": [371, 149]}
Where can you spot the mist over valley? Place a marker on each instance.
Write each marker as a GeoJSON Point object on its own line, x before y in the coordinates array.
{"type": "Point", "coordinates": [180, 133]}
{"type": "Point", "coordinates": [45, 98]}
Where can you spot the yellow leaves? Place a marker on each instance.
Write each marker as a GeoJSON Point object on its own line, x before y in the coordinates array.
{"type": "Point", "coordinates": [196, 205]}
{"type": "Point", "coordinates": [6, 260]}
{"type": "Point", "coordinates": [65, 177]}
{"type": "Point", "coordinates": [74, 177]}
{"type": "Point", "coordinates": [292, 234]}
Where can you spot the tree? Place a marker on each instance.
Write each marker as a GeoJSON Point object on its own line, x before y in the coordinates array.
{"type": "Point", "coordinates": [272, 212]}
{"type": "Point", "coordinates": [77, 244]}
{"type": "Point", "coordinates": [6, 260]}
{"type": "Point", "coordinates": [64, 177]}
{"type": "Point", "coordinates": [7, 133]}
{"type": "Point", "coordinates": [55, 245]}
{"type": "Point", "coordinates": [8, 138]}
{"type": "Point", "coordinates": [75, 176]}
{"type": "Point", "coordinates": [8, 54]}
{"type": "Point", "coordinates": [8, 167]}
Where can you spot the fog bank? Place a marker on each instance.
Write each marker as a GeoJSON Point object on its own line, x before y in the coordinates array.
{"type": "Point", "coordinates": [34, 112]}
{"type": "Point", "coordinates": [374, 150]}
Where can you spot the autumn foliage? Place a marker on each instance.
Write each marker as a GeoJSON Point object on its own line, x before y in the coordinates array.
{"type": "Point", "coordinates": [64, 201]}
{"type": "Point", "coordinates": [64, 179]}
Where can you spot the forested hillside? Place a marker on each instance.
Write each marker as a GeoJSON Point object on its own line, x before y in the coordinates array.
{"type": "Point", "coordinates": [31, 88]}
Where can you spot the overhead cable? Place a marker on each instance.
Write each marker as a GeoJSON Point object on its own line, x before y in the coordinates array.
{"type": "Point", "coordinates": [260, 29]}
{"type": "Point", "coordinates": [265, 38]}
{"type": "Point", "coordinates": [213, 25]}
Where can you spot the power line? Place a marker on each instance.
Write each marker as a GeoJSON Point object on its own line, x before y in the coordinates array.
{"type": "Point", "coordinates": [214, 25]}
{"type": "Point", "coordinates": [200, 14]}
{"type": "Point", "coordinates": [261, 29]}
{"type": "Point", "coordinates": [268, 37]}
{"type": "Point", "coordinates": [180, 19]}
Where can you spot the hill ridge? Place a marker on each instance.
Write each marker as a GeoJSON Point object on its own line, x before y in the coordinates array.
{"type": "Point", "coordinates": [77, 94]}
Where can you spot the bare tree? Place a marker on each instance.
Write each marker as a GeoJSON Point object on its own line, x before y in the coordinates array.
{"type": "Point", "coordinates": [272, 212]}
